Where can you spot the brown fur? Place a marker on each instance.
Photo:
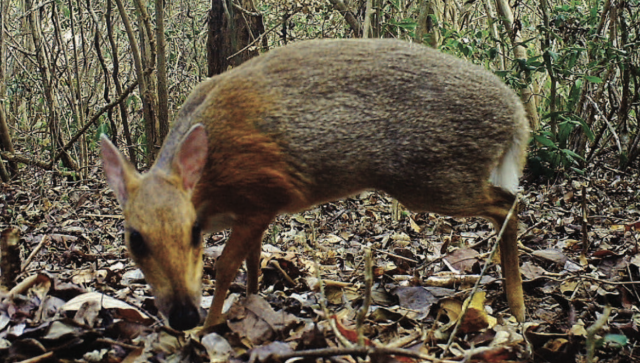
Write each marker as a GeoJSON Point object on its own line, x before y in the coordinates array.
{"type": "Point", "coordinates": [318, 121]}
{"type": "Point", "coordinates": [248, 170]}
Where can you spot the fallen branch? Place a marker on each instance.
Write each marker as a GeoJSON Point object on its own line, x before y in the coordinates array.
{"type": "Point", "coordinates": [348, 16]}
{"type": "Point", "coordinates": [40, 164]}
{"type": "Point", "coordinates": [359, 352]}
{"type": "Point", "coordinates": [35, 251]}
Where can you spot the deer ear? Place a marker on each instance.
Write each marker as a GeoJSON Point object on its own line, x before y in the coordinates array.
{"type": "Point", "coordinates": [192, 156]}
{"type": "Point", "coordinates": [116, 168]}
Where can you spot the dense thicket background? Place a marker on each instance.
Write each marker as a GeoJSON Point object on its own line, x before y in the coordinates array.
{"type": "Point", "coordinates": [63, 62]}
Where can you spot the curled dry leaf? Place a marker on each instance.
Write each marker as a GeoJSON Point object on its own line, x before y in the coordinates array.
{"type": "Point", "coordinates": [218, 348]}
{"type": "Point", "coordinates": [258, 322]}
{"type": "Point", "coordinates": [476, 318]}
{"type": "Point", "coordinates": [122, 309]}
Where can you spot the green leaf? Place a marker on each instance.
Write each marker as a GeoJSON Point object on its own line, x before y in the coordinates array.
{"type": "Point", "coordinates": [544, 141]}
{"type": "Point", "coordinates": [586, 129]}
{"type": "Point", "coordinates": [407, 24]}
{"type": "Point", "coordinates": [523, 65]}
{"type": "Point", "coordinates": [593, 79]}
{"type": "Point", "coordinates": [594, 12]}
{"type": "Point", "coordinates": [579, 171]}
{"type": "Point", "coordinates": [546, 134]}
{"type": "Point", "coordinates": [493, 53]}
{"type": "Point", "coordinates": [624, 158]}
{"type": "Point", "coordinates": [550, 115]}
{"type": "Point", "coordinates": [103, 128]}
{"type": "Point", "coordinates": [573, 58]}
{"type": "Point", "coordinates": [574, 95]}
{"type": "Point", "coordinates": [618, 339]}
{"type": "Point", "coordinates": [572, 154]}
{"type": "Point", "coordinates": [434, 19]}
{"type": "Point", "coordinates": [564, 130]}
{"type": "Point", "coordinates": [143, 141]}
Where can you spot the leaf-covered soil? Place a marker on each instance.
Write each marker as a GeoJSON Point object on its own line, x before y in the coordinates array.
{"type": "Point", "coordinates": [80, 298]}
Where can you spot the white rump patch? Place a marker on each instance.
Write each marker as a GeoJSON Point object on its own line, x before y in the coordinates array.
{"type": "Point", "coordinates": [507, 173]}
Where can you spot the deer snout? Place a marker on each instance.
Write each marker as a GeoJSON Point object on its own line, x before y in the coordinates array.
{"type": "Point", "coordinates": [184, 316]}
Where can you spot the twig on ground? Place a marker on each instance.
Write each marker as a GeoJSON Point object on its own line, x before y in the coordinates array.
{"type": "Point", "coordinates": [115, 342]}
{"type": "Point", "coordinates": [41, 358]}
{"type": "Point", "coordinates": [323, 297]}
{"type": "Point", "coordinates": [396, 256]}
{"type": "Point", "coordinates": [35, 251]}
{"type": "Point", "coordinates": [286, 276]}
{"type": "Point", "coordinates": [585, 225]}
{"type": "Point", "coordinates": [359, 351]}
{"type": "Point", "coordinates": [368, 282]}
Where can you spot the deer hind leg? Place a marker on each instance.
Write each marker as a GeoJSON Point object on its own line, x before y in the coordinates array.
{"type": "Point", "coordinates": [496, 210]}
{"type": "Point", "coordinates": [253, 269]}
{"type": "Point", "coordinates": [493, 203]}
{"type": "Point", "coordinates": [244, 243]}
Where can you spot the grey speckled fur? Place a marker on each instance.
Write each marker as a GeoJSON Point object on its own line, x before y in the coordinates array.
{"type": "Point", "coordinates": [426, 127]}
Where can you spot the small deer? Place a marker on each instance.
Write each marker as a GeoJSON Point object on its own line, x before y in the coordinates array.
{"type": "Point", "coordinates": [313, 122]}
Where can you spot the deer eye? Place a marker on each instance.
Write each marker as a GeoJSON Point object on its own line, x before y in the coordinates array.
{"type": "Point", "coordinates": [136, 244]}
{"type": "Point", "coordinates": [196, 235]}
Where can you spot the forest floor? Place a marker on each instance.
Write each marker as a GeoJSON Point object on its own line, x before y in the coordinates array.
{"type": "Point", "coordinates": [80, 298]}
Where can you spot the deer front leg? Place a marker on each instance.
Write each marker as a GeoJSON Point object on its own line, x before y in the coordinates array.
{"type": "Point", "coordinates": [245, 243]}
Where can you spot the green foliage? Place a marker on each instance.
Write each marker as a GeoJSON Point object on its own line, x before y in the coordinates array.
{"type": "Point", "coordinates": [133, 101]}
{"type": "Point", "coordinates": [550, 153]}
{"type": "Point", "coordinates": [404, 26]}
{"type": "Point", "coordinates": [142, 141]}
{"type": "Point", "coordinates": [570, 69]}
{"type": "Point", "coordinates": [475, 45]}
{"type": "Point", "coordinates": [614, 340]}
{"type": "Point", "coordinates": [103, 128]}
{"type": "Point", "coordinates": [273, 234]}
{"type": "Point", "coordinates": [579, 55]}
{"type": "Point", "coordinates": [576, 56]}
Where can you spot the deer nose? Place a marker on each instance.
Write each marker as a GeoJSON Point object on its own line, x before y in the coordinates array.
{"type": "Point", "coordinates": [184, 316]}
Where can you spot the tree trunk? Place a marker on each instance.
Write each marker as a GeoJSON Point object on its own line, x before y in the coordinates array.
{"type": "Point", "coordinates": [491, 22]}
{"type": "Point", "coordinates": [367, 30]}
{"type": "Point", "coordinates": [348, 16]}
{"type": "Point", "coordinates": [425, 26]}
{"type": "Point", "coordinates": [148, 109]}
{"type": "Point", "coordinates": [150, 96]}
{"type": "Point", "coordinates": [231, 30]}
{"type": "Point", "coordinates": [163, 102]}
{"type": "Point", "coordinates": [520, 53]}
{"type": "Point", "coordinates": [5, 135]}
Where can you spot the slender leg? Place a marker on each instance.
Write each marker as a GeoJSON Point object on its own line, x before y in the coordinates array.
{"type": "Point", "coordinates": [253, 268]}
{"type": "Point", "coordinates": [497, 211]}
{"type": "Point", "coordinates": [246, 238]}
